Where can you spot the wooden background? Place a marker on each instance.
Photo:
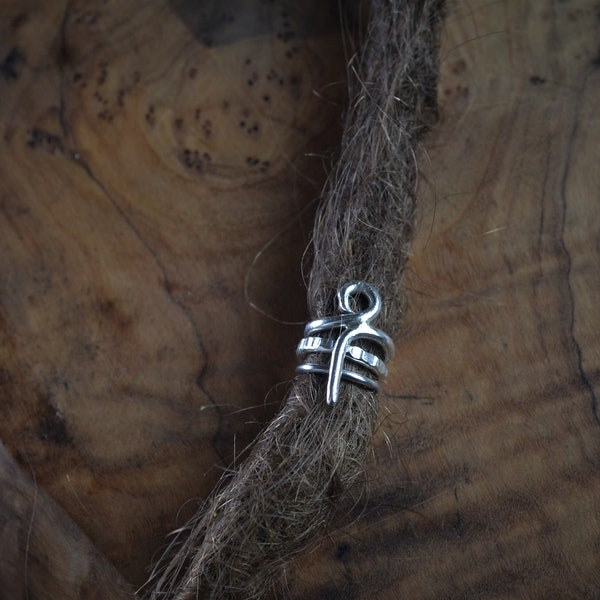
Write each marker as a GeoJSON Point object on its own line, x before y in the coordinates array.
{"type": "Point", "coordinates": [160, 164]}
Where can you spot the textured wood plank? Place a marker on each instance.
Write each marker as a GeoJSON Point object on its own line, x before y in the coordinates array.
{"type": "Point", "coordinates": [44, 555]}
{"type": "Point", "coordinates": [487, 477]}
{"type": "Point", "coordinates": [150, 152]}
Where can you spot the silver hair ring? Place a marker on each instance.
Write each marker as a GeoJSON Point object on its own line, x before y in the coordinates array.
{"type": "Point", "coordinates": [341, 331]}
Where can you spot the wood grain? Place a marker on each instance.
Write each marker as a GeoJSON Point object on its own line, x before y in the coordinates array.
{"type": "Point", "coordinates": [44, 555]}
{"type": "Point", "coordinates": [486, 482]}
{"type": "Point", "coordinates": [156, 156]}
{"type": "Point", "coordinates": [148, 168]}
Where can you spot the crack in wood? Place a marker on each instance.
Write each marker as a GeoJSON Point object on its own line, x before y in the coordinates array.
{"type": "Point", "coordinates": [182, 307]}
{"type": "Point", "coordinates": [563, 194]}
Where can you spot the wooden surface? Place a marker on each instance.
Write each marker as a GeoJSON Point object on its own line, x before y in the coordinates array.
{"type": "Point", "coordinates": [487, 478]}
{"type": "Point", "coordinates": [134, 203]}
{"type": "Point", "coordinates": [153, 161]}
{"type": "Point", "coordinates": [44, 554]}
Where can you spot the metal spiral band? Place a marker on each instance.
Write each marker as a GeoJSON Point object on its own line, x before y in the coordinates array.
{"type": "Point", "coordinates": [340, 332]}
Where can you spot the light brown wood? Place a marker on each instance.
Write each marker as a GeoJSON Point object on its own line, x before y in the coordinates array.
{"type": "Point", "coordinates": [155, 157]}
{"type": "Point", "coordinates": [44, 555]}
{"type": "Point", "coordinates": [130, 373]}
{"type": "Point", "coordinates": [487, 478]}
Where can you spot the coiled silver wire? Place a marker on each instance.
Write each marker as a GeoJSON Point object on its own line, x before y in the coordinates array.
{"type": "Point", "coordinates": [337, 336]}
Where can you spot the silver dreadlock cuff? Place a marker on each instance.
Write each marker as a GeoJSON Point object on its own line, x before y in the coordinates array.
{"type": "Point", "coordinates": [338, 335]}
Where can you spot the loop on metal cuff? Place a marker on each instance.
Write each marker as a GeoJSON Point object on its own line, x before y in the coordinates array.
{"type": "Point", "coordinates": [341, 331]}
